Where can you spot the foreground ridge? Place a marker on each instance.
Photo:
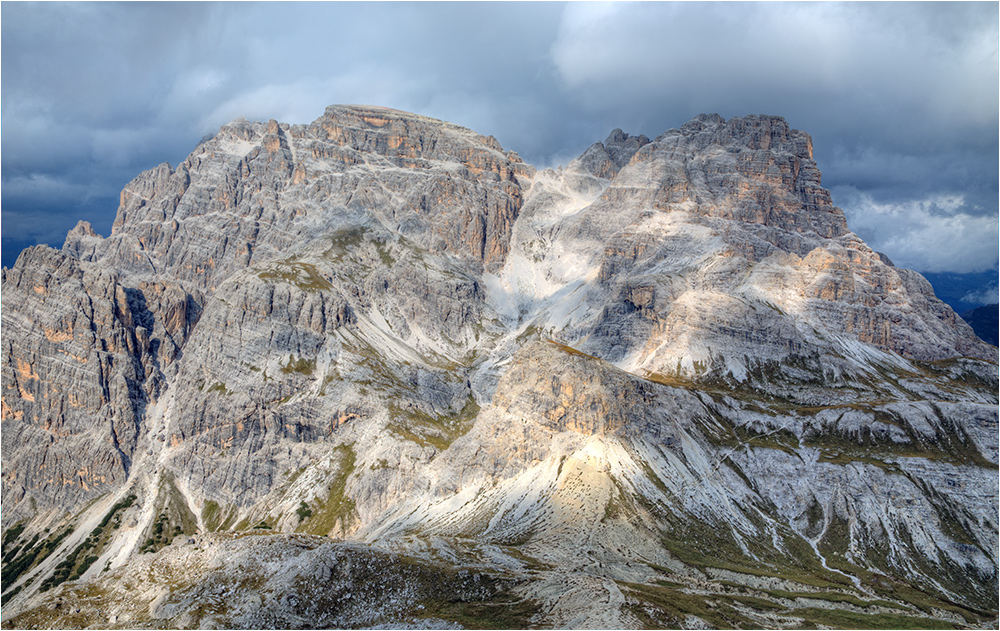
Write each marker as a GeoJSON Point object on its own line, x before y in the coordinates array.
{"type": "Point", "coordinates": [376, 370]}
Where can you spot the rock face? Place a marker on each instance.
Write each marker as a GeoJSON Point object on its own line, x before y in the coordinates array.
{"type": "Point", "coordinates": [668, 361]}
{"type": "Point", "coordinates": [255, 190]}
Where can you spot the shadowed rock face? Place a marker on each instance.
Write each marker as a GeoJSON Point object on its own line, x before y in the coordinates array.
{"type": "Point", "coordinates": [669, 359]}
{"type": "Point", "coordinates": [84, 355]}
{"type": "Point", "coordinates": [604, 160]}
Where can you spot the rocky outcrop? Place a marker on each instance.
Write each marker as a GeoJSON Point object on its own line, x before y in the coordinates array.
{"type": "Point", "coordinates": [566, 390]}
{"type": "Point", "coordinates": [331, 585]}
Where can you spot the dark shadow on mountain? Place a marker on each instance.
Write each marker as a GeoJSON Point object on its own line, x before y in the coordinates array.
{"type": "Point", "coordinates": [984, 321]}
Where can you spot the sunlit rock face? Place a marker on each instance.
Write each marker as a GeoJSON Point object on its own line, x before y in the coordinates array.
{"type": "Point", "coordinates": [664, 373]}
{"type": "Point", "coordinates": [563, 389]}
{"type": "Point", "coordinates": [717, 248]}
{"type": "Point", "coordinates": [255, 190]}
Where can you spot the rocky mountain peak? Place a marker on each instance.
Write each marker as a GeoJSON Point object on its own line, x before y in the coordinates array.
{"type": "Point", "coordinates": [754, 169]}
{"type": "Point", "coordinates": [255, 189]}
{"type": "Point", "coordinates": [755, 131]}
{"type": "Point", "coordinates": [604, 160]}
{"type": "Point", "coordinates": [667, 373]}
{"type": "Point", "coordinates": [83, 229]}
{"type": "Point", "coordinates": [701, 121]}
{"type": "Point", "coordinates": [82, 241]}
{"type": "Point", "coordinates": [402, 135]}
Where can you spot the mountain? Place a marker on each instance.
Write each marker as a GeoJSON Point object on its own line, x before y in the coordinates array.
{"type": "Point", "coordinates": [984, 321]}
{"type": "Point", "coordinates": [376, 370]}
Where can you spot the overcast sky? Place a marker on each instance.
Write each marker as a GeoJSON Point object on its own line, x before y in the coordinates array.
{"type": "Point", "coordinates": [901, 99]}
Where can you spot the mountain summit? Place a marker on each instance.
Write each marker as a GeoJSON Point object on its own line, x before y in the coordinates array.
{"type": "Point", "coordinates": [376, 370]}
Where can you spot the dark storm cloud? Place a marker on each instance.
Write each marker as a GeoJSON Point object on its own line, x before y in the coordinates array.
{"type": "Point", "coordinates": [901, 99]}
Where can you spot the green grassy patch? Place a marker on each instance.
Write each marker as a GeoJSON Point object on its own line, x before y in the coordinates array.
{"type": "Point", "coordinates": [501, 611]}
{"type": "Point", "coordinates": [530, 562]}
{"type": "Point", "coordinates": [614, 509]}
{"type": "Point", "coordinates": [173, 518]}
{"type": "Point", "coordinates": [440, 432]}
{"type": "Point", "coordinates": [77, 562]}
{"type": "Point", "coordinates": [655, 479]}
{"type": "Point", "coordinates": [842, 619]}
{"type": "Point", "coordinates": [210, 511]}
{"type": "Point", "coordinates": [705, 545]}
{"type": "Point", "coordinates": [669, 380]}
{"type": "Point", "coordinates": [324, 514]}
{"type": "Point", "coordinates": [950, 443]}
{"type": "Point", "coordinates": [570, 350]}
{"type": "Point", "coordinates": [344, 242]}
{"type": "Point", "coordinates": [220, 387]}
{"type": "Point", "coordinates": [382, 375]}
{"type": "Point", "coordinates": [303, 275]}
{"type": "Point", "coordinates": [300, 365]}
{"type": "Point", "coordinates": [781, 439]}
{"type": "Point", "coordinates": [834, 597]}
{"type": "Point", "coordinates": [30, 556]}
{"type": "Point", "coordinates": [327, 380]}
{"type": "Point", "coordinates": [957, 376]}
{"type": "Point", "coordinates": [722, 432]}
{"type": "Point", "coordinates": [665, 607]}
{"type": "Point", "coordinates": [926, 598]}
{"type": "Point", "coordinates": [217, 518]}
{"type": "Point", "coordinates": [11, 534]}
{"type": "Point", "coordinates": [383, 254]}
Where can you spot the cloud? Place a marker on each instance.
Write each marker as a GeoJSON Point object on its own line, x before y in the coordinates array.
{"type": "Point", "coordinates": [986, 296]}
{"type": "Point", "coordinates": [899, 177]}
{"type": "Point", "coordinates": [933, 234]}
{"type": "Point", "coordinates": [37, 185]}
{"type": "Point", "coordinates": [695, 56]}
{"type": "Point", "coordinates": [901, 99]}
{"type": "Point", "coordinates": [304, 99]}
{"type": "Point", "coordinates": [41, 208]}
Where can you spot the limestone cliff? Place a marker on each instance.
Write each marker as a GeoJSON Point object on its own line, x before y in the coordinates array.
{"type": "Point", "coordinates": [664, 385]}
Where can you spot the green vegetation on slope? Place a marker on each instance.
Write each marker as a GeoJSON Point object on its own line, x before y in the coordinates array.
{"type": "Point", "coordinates": [440, 432]}
{"type": "Point", "coordinates": [303, 275]}
{"type": "Point", "coordinates": [215, 518]}
{"type": "Point", "coordinates": [301, 365]}
{"type": "Point", "coordinates": [173, 519]}
{"type": "Point", "coordinates": [322, 515]}
{"type": "Point", "coordinates": [76, 562]}
{"type": "Point", "coordinates": [33, 553]}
